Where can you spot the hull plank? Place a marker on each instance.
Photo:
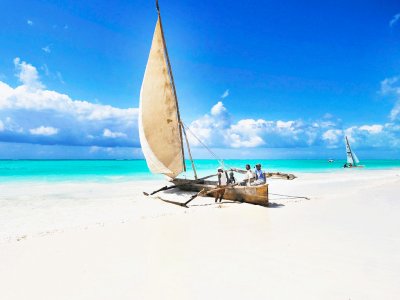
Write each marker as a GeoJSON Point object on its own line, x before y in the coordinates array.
{"type": "Point", "coordinates": [249, 194]}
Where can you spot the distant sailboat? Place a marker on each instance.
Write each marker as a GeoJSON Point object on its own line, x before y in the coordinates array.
{"type": "Point", "coordinates": [162, 132]}
{"type": "Point", "coordinates": [352, 160]}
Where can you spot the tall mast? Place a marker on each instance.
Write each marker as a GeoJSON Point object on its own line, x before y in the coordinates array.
{"type": "Point", "coordinates": [182, 129]}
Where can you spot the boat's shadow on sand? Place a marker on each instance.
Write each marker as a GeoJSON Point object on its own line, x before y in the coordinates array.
{"type": "Point", "coordinates": [186, 195]}
{"type": "Point", "coordinates": [275, 205]}
{"type": "Point", "coordinates": [270, 205]}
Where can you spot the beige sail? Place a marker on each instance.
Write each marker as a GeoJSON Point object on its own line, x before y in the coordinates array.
{"type": "Point", "coordinates": [159, 129]}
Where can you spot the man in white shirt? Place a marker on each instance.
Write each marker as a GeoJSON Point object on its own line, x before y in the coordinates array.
{"type": "Point", "coordinates": [249, 175]}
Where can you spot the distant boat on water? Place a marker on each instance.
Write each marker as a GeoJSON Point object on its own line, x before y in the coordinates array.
{"type": "Point", "coordinates": [352, 159]}
{"type": "Point", "coordinates": [330, 160]}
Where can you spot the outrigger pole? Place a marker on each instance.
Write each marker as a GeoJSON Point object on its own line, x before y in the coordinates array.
{"type": "Point", "coordinates": [181, 126]}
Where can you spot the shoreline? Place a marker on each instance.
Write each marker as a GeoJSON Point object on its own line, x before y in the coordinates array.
{"type": "Point", "coordinates": [117, 178]}
{"type": "Point", "coordinates": [116, 170]}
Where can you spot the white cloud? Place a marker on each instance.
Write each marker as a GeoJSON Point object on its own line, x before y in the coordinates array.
{"type": "Point", "coordinates": [332, 136]}
{"type": "Point", "coordinates": [46, 49]}
{"type": "Point", "coordinates": [225, 94]}
{"type": "Point", "coordinates": [211, 128]}
{"type": "Point", "coordinates": [246, 133]}
{"type": "Point", "coordinates": [28, 74]}
{"type": "Point", "coordinates": [78, 122]}
{"type": "Point", "coordinates": [374, 129]}
{"type": "Point", "coordinates": [218, 108]}
{"type": "Point", "coordinates": [395, 112]}
{"type": "Point", "coordinates": [44, 130]}
{"type": "Point", "coordinates": [394, 20]}
{"type": "Point", "coordinates": [388, 86]}
{"type": "Point", "coordinates": [238, 142]}
{"type": "Point", "coordinates": [284, 125]}
{"type": "Point", "coordinates": [217, 130]}
{"type": "Point", "coordinates": [110, 134]}
{"type": "Point", "coordinates": [29, 113]}
{"type": "Point", "coordinates": [29, 22]}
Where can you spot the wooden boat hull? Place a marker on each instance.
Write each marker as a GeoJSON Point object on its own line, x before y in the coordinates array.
{"type": "Point", "coordinates": [249, 194]}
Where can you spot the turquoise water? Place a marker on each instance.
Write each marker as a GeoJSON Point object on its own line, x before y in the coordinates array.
{"type": "Point", "coordinates": [116, 170]}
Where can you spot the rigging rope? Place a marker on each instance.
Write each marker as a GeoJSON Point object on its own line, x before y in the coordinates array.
{"type": "Point", "coordinates": [221, 161]}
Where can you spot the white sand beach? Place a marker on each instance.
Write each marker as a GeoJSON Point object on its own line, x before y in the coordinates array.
{"type": "Point", "coordinates": [92, 240]}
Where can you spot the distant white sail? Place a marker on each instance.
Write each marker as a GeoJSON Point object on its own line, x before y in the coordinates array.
{"type": "Point", "coordinates": [355, 158]}
{"type": "Point", "coordinates": [159, 128]}
{"type": "Point", "coordinates": [351, 156]}
{"type": "Point", "coordinates": [348, 153]}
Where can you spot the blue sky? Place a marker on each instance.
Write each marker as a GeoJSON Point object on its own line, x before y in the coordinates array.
{"type": "Point", "coordinates": [261, 78]}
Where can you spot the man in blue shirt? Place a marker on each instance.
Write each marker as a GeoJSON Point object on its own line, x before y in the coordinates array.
{"type": "Point", "coordinates": [260, 176]}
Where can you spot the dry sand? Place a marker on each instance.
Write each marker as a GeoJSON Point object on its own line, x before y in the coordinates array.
{"type": "Point", "coordinates": [107, 241]}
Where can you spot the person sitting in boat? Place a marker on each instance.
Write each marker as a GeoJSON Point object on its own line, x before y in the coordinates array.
{"type": "Point", "coordinates": [260, 176]}
{"type": "Point", "coordinates": [249, 174]}
{"type": "Point", "coordinates": [222, 182]}
{"type": "Point", "coordinates": [232, 179]}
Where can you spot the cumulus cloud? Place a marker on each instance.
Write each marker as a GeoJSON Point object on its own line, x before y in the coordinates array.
{"type": "Point", "coordinates": [32, 114]}
{"type": "Point", "coordinates": [27, 74]}
{"type": "Point", "coordinates": [374, 136]}
{"type": "Point", "coordinates": [332, 136]}
{"type": "Point", "coordinates": [245, 133]}
{"type": "Point", "coordinates": [218, 109]}
{"type": "Point", "coordinates": [110, 134]}
{"type": "Point", "coordinates": [29, 22]}
{"type": "Point", "coordinates": [44, 130]}
{"type": "Point", "coordinates": [374, 129]}
{"type": "Point", "coordinates": [217, 129]}
{"type": "Point", "coordinates": [394, 20]}
{"type": "Point", "coordinates": [211, 126]}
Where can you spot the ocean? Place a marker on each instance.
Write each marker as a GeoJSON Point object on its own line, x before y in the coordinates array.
{"type": "Point", "coordinates": [121, 170]}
